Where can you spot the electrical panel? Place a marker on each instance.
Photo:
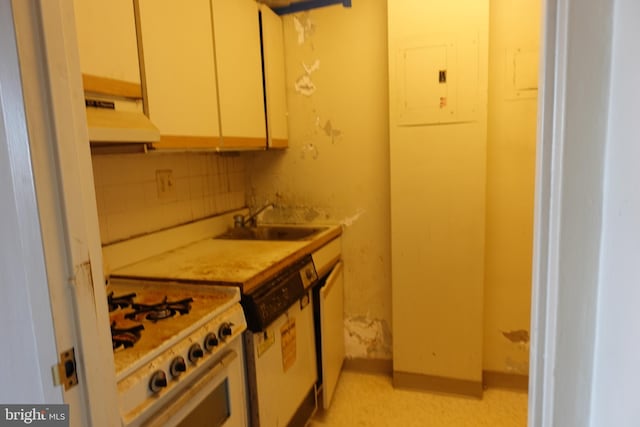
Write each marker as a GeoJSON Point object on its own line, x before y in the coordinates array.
{"type": "Point", "coordinates": [438, 80]}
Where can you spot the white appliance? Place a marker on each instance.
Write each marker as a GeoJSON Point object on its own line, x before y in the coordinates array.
{"type": "Point", "coordinates": [280, 346]}
{"type": "Point", "coordinates": [178, 353]}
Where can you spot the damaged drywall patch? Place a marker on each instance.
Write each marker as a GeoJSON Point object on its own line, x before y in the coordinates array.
{"type": "Point", "coordinates": [367, 338]}
{"type": "Point", "coordinates": [520, 338]}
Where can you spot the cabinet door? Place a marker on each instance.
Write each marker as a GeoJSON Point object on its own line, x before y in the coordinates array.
{"type": "Point", "coordinates": [106, 32]}
{"type": "Point", "coordinates": [239, 72]}
{"type": "Point", "coordinates": [332, 330]}
{"type": "Point", "coordinates": [179, 72]}
{"type": "Point", "coordinates": [274, 78]}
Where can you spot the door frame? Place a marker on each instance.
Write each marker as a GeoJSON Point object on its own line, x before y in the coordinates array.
{"type": "Point", "coordinates": [573, 108]}
{"type": "Point", "coordinates": [54, 146]}
{"type": "Point", "coordinates": [58, 85]}
{"type": "Point", "coordinates": [22, 266]}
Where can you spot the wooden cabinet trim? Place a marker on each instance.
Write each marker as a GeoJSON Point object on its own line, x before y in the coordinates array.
{"type": "Point", "coordinates": [279, 143]}
{"type": "Point", "coordinates": [186, 141]}
{"type": "Point", "coordinates": [231, 142]}
{"type": "Point", "coordinates": [108, 86]}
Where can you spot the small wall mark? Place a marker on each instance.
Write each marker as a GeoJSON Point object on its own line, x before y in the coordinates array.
{"type": "Point", "coordinates": [520, 336]}
{"type": "Point", "coordinates": [330, 131]}
{"type": "Point", "coordinates": [309, 149]}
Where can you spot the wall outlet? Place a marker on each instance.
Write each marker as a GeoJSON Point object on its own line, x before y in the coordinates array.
{"type": "Point", "coordinates": [166, 184]}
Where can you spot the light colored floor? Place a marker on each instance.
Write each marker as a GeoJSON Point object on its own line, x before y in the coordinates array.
{"type": "Point", "coordinates": [369, 400]}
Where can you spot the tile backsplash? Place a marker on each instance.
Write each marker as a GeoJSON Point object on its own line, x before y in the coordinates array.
{"type": "Point", "coordinates": [141, 193]}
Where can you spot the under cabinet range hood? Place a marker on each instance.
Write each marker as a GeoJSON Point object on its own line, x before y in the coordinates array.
{"type": "Point", "coordinates": [108, 123]}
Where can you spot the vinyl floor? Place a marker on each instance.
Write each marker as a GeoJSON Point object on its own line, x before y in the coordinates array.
{"type": "Point", "coordinates": [364, 399]}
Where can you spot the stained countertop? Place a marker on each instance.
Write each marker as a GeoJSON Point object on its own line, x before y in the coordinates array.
{"type": "Point", "coordinates": [244, 263]}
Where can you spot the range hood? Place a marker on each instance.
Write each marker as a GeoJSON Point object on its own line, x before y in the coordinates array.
{"type": "Point", "coordinates": [110, 125]}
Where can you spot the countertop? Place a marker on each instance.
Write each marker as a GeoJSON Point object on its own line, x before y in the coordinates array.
{"type": "Point", "coordinates": [244, 263]}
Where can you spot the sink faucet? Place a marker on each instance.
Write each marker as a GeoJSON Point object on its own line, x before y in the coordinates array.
{"type": "Point", "coordinates": [251, 219]}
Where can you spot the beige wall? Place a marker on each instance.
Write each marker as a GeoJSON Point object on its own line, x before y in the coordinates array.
{"type": "Point", "coordinates": [337, 168]}
{"type": "Point", "coordinates": [514, 30]}
{"type": "Point", "coordinates": [127, 191]}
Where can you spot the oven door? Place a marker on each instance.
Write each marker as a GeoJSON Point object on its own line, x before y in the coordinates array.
{"type": "Point", "coordinates": [215, 399]}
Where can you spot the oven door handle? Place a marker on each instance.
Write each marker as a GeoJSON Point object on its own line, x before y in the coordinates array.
{"type": "Point", "coordinates": [169, 410]}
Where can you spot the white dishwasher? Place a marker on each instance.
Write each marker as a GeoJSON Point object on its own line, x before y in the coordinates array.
{"type": "Point", "coordinates": [280, 348]}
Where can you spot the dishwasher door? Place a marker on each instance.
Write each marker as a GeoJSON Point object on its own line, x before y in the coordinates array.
{"type": "Point", "coordinates": [281, 367]}
{"type": "Point", "coordinates": [331, 331]}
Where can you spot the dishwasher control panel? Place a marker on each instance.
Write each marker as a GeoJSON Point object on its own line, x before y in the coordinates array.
{"type": "Point", "coordinates": [275, 296]}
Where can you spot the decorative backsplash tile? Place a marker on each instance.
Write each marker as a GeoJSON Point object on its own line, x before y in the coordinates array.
{"type": "Point", "coordinates": [141, 193]}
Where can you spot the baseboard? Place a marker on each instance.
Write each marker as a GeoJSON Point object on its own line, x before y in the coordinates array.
{"type": "Point", "coordinates": [373, 366]}
{"type": "Point", "coordinates": [437, 384]}
{"type": "Point", "coordinates": [495, 379]}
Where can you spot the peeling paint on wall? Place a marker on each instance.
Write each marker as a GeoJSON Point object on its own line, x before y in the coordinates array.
{"type": "Point", "coordinates": [517, 367]}
{"type": "Point", "coordinates": [304, 85]}
{"type": "Point", "coordinates": [314, 67]}
{"type": "Point", "coordinates": [517, 336]}
{"type": "Point", "coordinates": [304, 27]}
{"type": "Point", "coordinates": [520, 338]}
{"type": "Point", "coordinates": [309, 149]}
{"type": "Point", "coordinates": [349, 221]}
{"type": "Point", "coordinates": [367, 338]}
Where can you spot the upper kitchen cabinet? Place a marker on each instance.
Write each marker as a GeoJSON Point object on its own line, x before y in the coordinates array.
{"type": "Point", "coordinates": [239, 71]}
{"type": "Point", "coordinates": [107, 45]}
{"type": "Point", "coordinates": [202, 72]}
{"type": "Point", "coordinates": [179, 70]}
{"type": "Point", "coordinates": [274, 78]}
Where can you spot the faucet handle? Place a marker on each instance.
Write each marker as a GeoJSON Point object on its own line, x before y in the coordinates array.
{"type": "Point", "coordinates": [238, 221]}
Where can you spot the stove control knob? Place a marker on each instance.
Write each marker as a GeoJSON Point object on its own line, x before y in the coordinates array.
{"type": "Point", "coordinates": [195, 353]}
{"type": "Point", "coordinates": [158, 381]}
{"type": "Point", "coordinates": [225, 330]}
{"type": "Point", "coordinates": [210, 341]}
{"type": "Point", "coordinates": [177, 366]}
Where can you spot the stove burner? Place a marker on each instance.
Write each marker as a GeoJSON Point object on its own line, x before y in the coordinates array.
{"type": "Point", "coordinates": [120, 301]}
{"type": "Point", "coordinates": [125, 337]}
{"type": "Point", "coordinates": [163, 310]}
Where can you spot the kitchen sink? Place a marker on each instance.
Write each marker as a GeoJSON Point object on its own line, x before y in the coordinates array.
{"type": "Point", "coordinates": [271, 232]}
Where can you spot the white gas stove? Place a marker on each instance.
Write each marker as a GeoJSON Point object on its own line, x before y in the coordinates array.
{"type": "Point", "coordinates": [178, 356]}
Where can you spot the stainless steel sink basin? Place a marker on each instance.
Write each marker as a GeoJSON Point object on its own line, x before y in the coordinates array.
{"type": "Point", "coordinates": [271, 232]}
